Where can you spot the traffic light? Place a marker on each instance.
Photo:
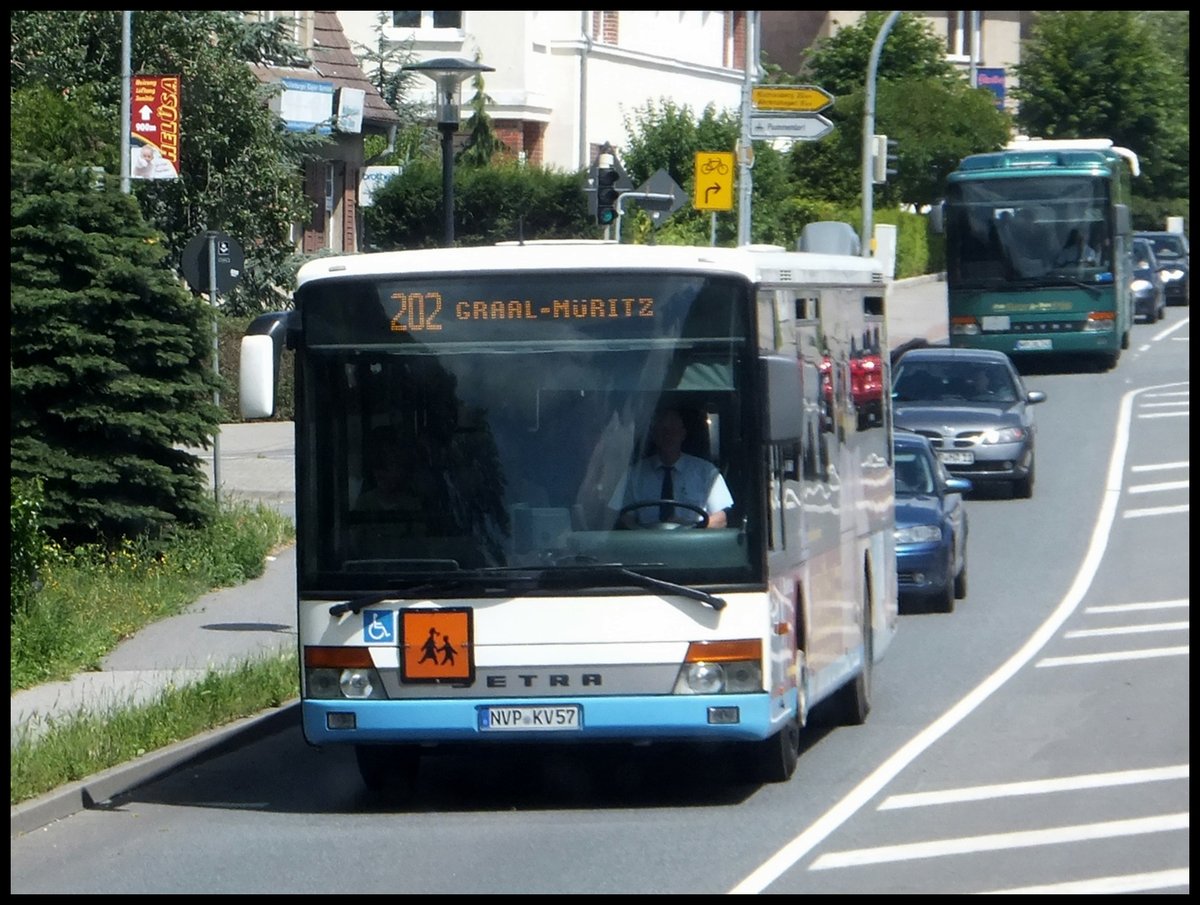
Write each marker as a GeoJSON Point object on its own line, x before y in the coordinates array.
{"type": "Point", "coordinates": [883, 158]}
{"type": "Point", "coordinates": [607, 192]}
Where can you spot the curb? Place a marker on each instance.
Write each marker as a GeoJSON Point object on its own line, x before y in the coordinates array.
{"type": "Point", "coordinates": [88, 793]}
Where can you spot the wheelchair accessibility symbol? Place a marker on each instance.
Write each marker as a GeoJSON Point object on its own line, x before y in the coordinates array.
{"type": "Point", "coordinates": [379, 626]}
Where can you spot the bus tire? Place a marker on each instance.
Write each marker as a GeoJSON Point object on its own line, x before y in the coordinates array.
{"type": "Point", "coordinates": [774, 759]}
{"type": "Point", "coordinates": [851, 703]}
{"type": "Point", "coordinates": [388, 770]}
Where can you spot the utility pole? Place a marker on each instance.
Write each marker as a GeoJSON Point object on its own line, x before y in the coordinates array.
{"type": "Point", "coordinates": [126, 90]}
{"type": "Point", "coordinates": [745, 149]}
{"type": "Point", "coordinates": [868, 141]}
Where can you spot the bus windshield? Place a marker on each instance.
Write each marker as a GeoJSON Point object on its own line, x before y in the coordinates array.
{"type": "Point", "coordinates": [1043, 230]}
{"type": "Point", "coordinates": [478, 428]}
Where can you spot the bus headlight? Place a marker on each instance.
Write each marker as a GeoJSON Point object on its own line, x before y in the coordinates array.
{"type": "Point", "coordinates": [356, 683]}
{"type": "Point", "coordinates": [721, 667]}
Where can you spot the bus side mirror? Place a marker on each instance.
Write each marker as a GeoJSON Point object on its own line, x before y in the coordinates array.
{"type": "Point", "coordinates": [785, 398]}
{"type": "Point", "coordinates": [256, 377]}
{"type": "Point", "coordinates": [937, 218]}
{"type": "Point", "coordinates": [258, 370]}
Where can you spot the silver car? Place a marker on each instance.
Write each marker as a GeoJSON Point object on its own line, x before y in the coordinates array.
{"type": "Point", "coordinates": [975, 410]}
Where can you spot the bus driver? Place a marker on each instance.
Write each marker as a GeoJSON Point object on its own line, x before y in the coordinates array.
{"type": "Point", "coordinates": [671, 474]}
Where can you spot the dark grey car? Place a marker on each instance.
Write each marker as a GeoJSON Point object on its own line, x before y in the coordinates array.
{"type": "Point", "coordinates": [1173, 255]}
{"type": "Point", "coordinates": [973, 406]}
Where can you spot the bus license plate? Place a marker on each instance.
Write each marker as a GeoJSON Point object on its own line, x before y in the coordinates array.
{"type": "Point", "coordinates": [991, 323]}
{"type": "Point", "coordinates": [957, 458]}
{"type": "Point", "coordinates": [531, 718]}
{"type": "Point", "coordinates": [1031, 345]}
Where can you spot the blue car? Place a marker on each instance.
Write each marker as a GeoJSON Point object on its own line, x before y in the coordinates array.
{"type": "Point", "coordinates": [931, 526]}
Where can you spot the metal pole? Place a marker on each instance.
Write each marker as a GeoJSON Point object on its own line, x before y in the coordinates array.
{"type": "Point", "coordinates": [126, 91]}
{"type": "Point", "coordinates": [212, 297]}
{"type": "Point", "coordinates": [745, 156]}
{"type": "Point", "coordinates": [868, 191]}
{"type": "Point", "coordinates": [448, 130]}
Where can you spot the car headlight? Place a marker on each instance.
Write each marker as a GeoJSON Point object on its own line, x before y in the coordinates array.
{"type": "Point", "coordinates": [918, 534]}
{"type": "Point", "coordinates": [1141, 286]}
{"type": "Point", "coordinates": [1003, 435]}
{"type": "Point", "coordinates": [1171, 275]}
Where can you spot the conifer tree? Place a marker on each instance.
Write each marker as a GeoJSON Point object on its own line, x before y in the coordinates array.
{"type": "Point", "coordinates": [110, 366]}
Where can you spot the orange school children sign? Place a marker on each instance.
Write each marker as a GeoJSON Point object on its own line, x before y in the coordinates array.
{"type": "Point", "coordinates": [154, 127]}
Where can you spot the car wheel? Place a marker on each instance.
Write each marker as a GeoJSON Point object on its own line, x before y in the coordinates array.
{"type": "Point", "coordinates": [960, 580]}
{"type": "Point", "coordinates": [1023, 488]}
{"type": "Point", "coordinates": [943, 602]}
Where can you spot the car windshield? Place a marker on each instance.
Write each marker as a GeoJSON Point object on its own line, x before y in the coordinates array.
{"type": "Point", "coordinates": [1168, 246]}
{"type": "Point", "coordinates": [952, 382]}
{"type": "Point", "coordinates": [913, 475]}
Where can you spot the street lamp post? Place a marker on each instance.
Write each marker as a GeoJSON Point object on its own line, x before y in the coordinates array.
{"type": "Point", "coordinates": [448, 74]}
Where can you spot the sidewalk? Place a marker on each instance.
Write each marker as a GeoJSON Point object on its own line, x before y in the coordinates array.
{"type": "Point", "coordinates": [220, 630]}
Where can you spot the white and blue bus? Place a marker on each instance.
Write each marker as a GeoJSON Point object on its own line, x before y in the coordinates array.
{"type": "Point", "coordinates": [501, 599]}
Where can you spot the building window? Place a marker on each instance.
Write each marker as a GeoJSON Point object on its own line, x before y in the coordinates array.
{"type": "Point", "coordinates": [958, 34]}
{"type": "Point", "coordinates": [427, 19]}
{"type": "Point", "coordinates": [605, 26]}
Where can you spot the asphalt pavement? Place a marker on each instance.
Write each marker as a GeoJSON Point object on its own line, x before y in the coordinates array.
{"type": "Point", "coordinates": [255, 462]}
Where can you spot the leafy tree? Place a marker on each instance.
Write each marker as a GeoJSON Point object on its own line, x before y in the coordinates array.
{"type": "Point", "coordinates": [911, 50]}
{"type": "Point", "coordinates": [108, 362]}
{"type": "Point", "coordinates": [240, 169]}
{"type": "Point", "coordinates": [1106, 74]}
{"type": "Point", "coordinates": [922, 101]}
{"type": "Point", "coordinates": [384, 64]}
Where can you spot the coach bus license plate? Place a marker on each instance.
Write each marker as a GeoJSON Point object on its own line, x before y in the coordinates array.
{"type": "Point", "coordinates": [957, 458]}
{"type": "Point", "coordinates": [1030, 345]}
{"type": "Point", "coordinates": [530, 718]}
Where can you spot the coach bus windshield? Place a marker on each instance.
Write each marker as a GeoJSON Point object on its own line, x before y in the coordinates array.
{"type": "Point", "coordinates": [456, 428]}
{"type": "Point", "coordinates": [1049, 230]}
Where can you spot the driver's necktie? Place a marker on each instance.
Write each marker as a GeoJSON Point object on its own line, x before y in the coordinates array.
{"type": "Point", "coordinates": [665, 513]}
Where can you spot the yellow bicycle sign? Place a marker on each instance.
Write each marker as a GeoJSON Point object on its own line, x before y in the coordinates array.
{"type": "Point", "coordinates": [714, 181]}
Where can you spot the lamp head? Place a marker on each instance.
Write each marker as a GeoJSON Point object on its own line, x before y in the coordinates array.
{"type": "Point", "coordinates": [448, 74]}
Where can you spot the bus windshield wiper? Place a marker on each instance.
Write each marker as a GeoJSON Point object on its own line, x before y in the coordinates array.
{"type": "Point", "coordinates": [638, 578]}
{"type": "Point", "coordinates": [514, 577]}
{"type": "Point", "coordinates": [1050, 281]}
{"type": "Point", "coordinates": [359, 604]}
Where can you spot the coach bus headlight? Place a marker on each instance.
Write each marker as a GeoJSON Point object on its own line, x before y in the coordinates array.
{"type": "Point", "coordinates": [721, 667]}
{"type": "Point", "coordinates": [1100, 322]}
{"type": "Point", "coordinates": [339, 673]}
{"type": "Point", "coordinates": [356, 683]}
{"type": "Point", "coordinates": [964, 325]}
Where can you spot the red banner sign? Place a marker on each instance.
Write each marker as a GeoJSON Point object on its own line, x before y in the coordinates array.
{"type": "Point", "coordinates": [154, 127]}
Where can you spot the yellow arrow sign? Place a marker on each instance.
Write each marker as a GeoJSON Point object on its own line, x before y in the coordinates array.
{"type": "Point", "coordinates": [714, 181]}
{"type": "Point", "coordinates": [792, 98]}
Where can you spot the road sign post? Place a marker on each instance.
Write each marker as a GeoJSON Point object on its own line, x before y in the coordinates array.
{"type": "Point", "coordinates": [212, 262]}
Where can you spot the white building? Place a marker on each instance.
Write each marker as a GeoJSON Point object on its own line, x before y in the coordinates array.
{"type": "Point", "coordinates": [566, 81]}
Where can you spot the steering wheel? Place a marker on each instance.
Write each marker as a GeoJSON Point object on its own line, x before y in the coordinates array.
{"type": "Point", "coordinates": [700, 522]}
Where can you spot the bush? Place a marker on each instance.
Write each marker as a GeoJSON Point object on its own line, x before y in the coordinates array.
{"type": "Point", "coordinates": [29, 546]}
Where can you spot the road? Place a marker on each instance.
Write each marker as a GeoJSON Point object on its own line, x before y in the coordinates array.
{"type": "Point", "coordinates": [1036, 739]}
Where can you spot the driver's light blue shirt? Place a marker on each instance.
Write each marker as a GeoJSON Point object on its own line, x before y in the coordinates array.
{"type": "Point", "coordinates": [697, 481]}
